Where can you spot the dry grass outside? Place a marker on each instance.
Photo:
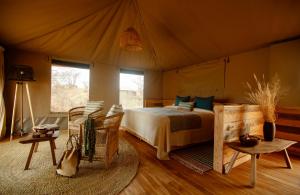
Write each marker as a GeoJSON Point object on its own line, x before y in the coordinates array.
{"type": "Point", "coordinates": [65, 98]}
{"type": "Point", "coordinates": [131, 99]}
{"type": "Point", "coordinates": [69, 88]}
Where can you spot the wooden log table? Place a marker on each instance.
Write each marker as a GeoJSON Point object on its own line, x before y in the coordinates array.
{"type": "Point", "coordinates": [263, 147]}
{"type": "Point", "coordinates": [34, 141]}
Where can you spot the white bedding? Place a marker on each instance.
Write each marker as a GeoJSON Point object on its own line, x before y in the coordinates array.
{"type": "Point", "coordinates": [153, 126]}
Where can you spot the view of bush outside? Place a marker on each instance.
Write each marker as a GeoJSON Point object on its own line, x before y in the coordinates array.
{"type": "Point", "coordinates": [131, 90]}
{"type": "Point", "coordinates": [69, 88]}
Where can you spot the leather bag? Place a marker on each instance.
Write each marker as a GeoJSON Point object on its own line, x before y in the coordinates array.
{"type": "Point", "coordinates": [69, 162]}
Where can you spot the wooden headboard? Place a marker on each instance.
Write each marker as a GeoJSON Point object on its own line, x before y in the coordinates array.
{"type": "Point", "coordinates": [158, 102]}
{"type": "Point", "coordinates": [168, 102]}
{"type": "Point", "coordinates": [230, 120]}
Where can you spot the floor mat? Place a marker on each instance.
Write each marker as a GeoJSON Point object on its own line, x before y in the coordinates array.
{"type": "Point", "coordinates": [198, 158]}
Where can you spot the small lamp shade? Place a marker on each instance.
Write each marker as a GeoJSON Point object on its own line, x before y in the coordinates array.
{"type": "Point", "coordinates": [130, 40]}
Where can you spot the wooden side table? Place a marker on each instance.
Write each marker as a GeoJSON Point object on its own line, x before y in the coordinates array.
{"type": "Point", "coordinates": [34, 141]}
{"type": "Point", "coordinates": [263, 147]}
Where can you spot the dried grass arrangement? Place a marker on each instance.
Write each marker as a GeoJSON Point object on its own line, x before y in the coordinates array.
{"type": "Point", "coordinates": [267, 95]}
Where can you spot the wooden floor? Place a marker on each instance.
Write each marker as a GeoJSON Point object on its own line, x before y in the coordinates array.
{"type": "Point", "coordinates": [170, 177]}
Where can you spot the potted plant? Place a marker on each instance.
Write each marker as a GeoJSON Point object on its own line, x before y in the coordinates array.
{"type": "Point", "coordinates": [266, 95]}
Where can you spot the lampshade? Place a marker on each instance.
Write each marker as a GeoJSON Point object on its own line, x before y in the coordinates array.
{"type": "Point", "coordinates": [130, 40]}
{"type": "Point", "coordinates": [20, 73]}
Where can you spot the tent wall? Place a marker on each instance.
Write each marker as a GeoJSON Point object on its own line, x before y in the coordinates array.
{"type": "Point", "coordinates": [2, 104]}
{"type": "Point", "coordinates": [104, 84]}
{"type": "Point", "coordinates": [209, 77]}
{"type": "Point", "coordinates": [194, 80]}
{"type": "Point", "coordinates": [241, 69]}
{"type": "Point", "coordinates": [40, 90]}
{"type": "Point", "coordinates": [283, 59]}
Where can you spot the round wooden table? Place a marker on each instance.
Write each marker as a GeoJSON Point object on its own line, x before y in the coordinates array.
{"type": "Point", "coordinates": [34, 141]}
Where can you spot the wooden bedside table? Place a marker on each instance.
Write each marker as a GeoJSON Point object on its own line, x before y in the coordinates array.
{"type": "Point", "coordinates": [263, 147]}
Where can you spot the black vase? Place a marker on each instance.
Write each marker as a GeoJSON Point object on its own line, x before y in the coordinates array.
{"type": "Point", "coordinates": [269, 131]}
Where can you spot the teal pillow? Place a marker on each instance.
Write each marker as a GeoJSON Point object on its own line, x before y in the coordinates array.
{"type": "Point", "coordinates": [182, 99]}
{"type": "Point", "coordinates": [204, 102]}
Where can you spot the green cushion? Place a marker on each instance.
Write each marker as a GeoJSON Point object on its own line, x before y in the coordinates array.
{"type": "Point", "coordinates": [182, 99]}
{"type": "Point", "coordinates": [204, 102]}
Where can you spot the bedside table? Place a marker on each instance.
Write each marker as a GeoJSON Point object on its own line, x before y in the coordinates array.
{"type": "Point", "coordinates": [263, 147]}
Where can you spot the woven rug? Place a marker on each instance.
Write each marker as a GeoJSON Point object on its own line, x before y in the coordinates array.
{"type": "Point", "coordinates": [41, 178]}
{"type": "Point", "coordinates": [198, 158]}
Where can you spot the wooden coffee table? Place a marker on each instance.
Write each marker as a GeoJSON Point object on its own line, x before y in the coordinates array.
{"type": "Point", "coordinates": [263, 147]}
{"type": "Point", "coordinates": [34, 141]}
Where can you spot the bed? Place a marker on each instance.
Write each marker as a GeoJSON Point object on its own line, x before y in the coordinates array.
{"type": "Point", "coordinates": [168, 128]}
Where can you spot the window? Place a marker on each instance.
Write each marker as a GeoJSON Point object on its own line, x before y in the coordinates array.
{"type": "Point", "coordinates": [131, 89]}
{"type": "Point", "coordinates": [69, 85]}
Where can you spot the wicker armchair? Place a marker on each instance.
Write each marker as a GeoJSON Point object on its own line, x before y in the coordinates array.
{"type": "Point", "coordinates": [107, 137]}
{"type": "Point", "coordinates": [78, 115]}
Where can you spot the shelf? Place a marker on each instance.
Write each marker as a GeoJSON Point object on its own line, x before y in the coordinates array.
{"type": "Point", "coordinates": [289, 126]}
{"type": "Point", "coordinates": [288, 136]}
{"type": "Point", "coordinates": [289, 111]}
{"type": "Point", "coordinates": [288, 122]}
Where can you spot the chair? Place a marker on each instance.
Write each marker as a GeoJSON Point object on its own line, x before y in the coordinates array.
{"type": "Point", "coordinates": [78, 115]}
{"type": "Point", "coordinates": [107, 137]}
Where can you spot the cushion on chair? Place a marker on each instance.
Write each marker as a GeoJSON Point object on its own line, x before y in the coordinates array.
{"type": "Point", "coordinates": [92, 106]}
{"type": "Point", "coordinates": [115, 109]}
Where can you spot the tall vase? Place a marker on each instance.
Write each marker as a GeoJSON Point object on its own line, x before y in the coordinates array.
{"type": "Point", "coordinates": [269, 131]}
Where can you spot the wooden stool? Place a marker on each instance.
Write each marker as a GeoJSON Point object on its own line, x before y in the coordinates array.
{"type": "Point", "coordinates": [34, 141]}
{"type": "Point", "coordinates": [48, 127]}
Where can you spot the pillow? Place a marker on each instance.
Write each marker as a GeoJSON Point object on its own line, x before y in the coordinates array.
{"type": "Point", "coordinates": [92, 106]}
{"type": "Point", "coordinates": [115, 109]}
{"type": "Point", "coordinates": [182, 99]}
{"type": "Point", "coordinates": [186, 106]}
{"type": "Point", "coordinates": [204, 102]}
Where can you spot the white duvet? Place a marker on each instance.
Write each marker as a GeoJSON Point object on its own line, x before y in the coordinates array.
{"type": "Point", "coordinates": [153, 126]}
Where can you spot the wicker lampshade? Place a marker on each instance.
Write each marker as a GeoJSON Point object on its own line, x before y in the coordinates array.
{"type": "Point", "coordinates": [130, 40]}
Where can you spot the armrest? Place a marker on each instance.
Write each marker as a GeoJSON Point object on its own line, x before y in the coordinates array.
{"type": "Point", "coordinates": [75, 112]}
{"type": "Point", "coordinates": [112, 121]}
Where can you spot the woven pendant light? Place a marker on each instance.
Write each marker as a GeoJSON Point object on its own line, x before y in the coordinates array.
{"type": "Point", "coordinates": [130, 40]}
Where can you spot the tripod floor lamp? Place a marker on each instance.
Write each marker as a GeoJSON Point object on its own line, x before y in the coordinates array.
{"type": "Point", "coordinates": [22, 74]}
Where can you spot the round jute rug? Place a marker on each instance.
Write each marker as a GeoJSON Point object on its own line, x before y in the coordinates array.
{"type": "Point", "coordinates": [41, 178]}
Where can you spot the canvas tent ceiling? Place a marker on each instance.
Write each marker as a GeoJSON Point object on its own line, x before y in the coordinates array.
{"type": "Point", "coordinates": [175, 33]}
